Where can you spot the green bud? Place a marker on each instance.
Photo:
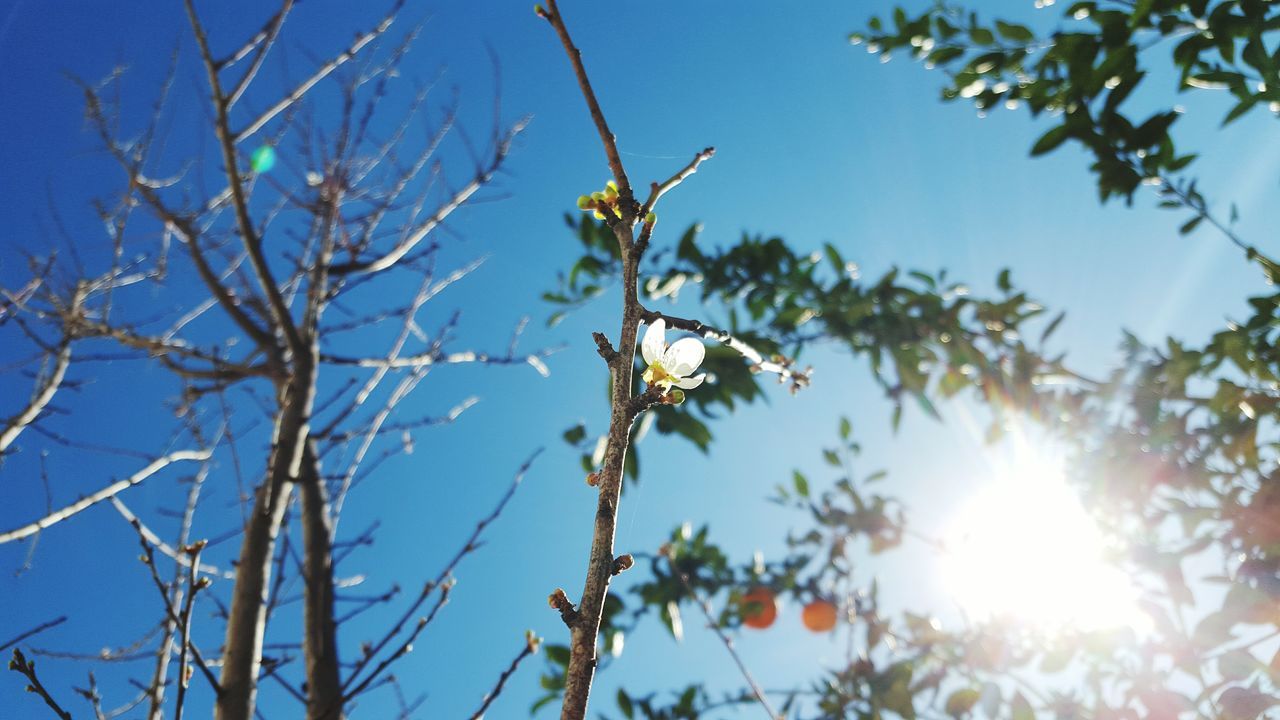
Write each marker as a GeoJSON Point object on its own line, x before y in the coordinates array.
{"type": "Point", "coordinates": [651, 219]}
{"type": "Point", "coordinates": [539, 10]}
{"type": "Point", "coordinates": [584, 202]}
{"type": "Point", "coordinates": [676, 396]}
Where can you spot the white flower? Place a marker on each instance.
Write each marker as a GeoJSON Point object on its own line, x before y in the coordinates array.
{"type": "Point", "coordinates": [671, 365]}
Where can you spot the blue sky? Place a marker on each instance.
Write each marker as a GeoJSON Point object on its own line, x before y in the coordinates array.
{"type": "Point", "coordinates": [817, 142]}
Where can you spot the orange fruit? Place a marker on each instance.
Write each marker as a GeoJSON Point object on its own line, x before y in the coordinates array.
{"type": "Point", "coordinates": [759, 608]}
{"type": "Point", "coordinates": [819, 616]}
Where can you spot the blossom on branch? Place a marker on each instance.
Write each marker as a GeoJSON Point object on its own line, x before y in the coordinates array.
{"type": "Point", "coordinates": [671, 365]}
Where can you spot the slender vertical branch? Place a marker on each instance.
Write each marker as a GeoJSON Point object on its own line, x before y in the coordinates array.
{"type": "Point", "coordinates": [194, 585]}
{"type": "Point", "coordinates": [584, 620]}
{"type": "Point", "coordinates": [552, 14]}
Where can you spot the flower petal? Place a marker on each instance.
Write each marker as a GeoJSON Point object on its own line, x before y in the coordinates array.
{"type": "Point", "coordinates": [684, 356]}
{"type": "Point", "coordinates": [655, 341]}
{"type": "Point", "coordinates": [690, 383]}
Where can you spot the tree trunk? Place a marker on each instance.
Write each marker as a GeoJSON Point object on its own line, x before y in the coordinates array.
{"type": "Point", "coordinates": [320, 648]}
{"type": "Point", "coordinates": [242, 653]}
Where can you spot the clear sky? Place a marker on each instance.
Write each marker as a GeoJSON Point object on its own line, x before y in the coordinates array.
{"type": "Point", "coordinates": [817, 142]}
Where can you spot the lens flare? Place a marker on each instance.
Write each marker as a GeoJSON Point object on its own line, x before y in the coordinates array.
{"type": "Point", "coordinates": [1025, 549]}
{"type": "Point", "coordinates": [263, 159]}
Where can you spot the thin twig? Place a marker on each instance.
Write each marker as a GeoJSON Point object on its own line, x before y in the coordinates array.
{"type": "Point", "coordinates": [103, 494]}
{"type": "Point", "coordinates": [20, 664]}
{"type": "Point", "coordinates": [552, 15]}
{"type": "Point", "coordinates": [530, 647]}
{"type": "Point", "coordinates": [37, 629]}
{"type": "Point", "coordinates": [727, 641]}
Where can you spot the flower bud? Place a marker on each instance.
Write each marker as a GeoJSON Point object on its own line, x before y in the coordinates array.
{"type": "Point", "coordinates": [593, 479]}
{"type": "Point", "coordinates": [622, 563]}
{"type": "Point", "coordinates": [651, 219]}
{"type": "Point", "coordinates": [674, 397]}
{"type": "Point", "coordinates": [584, 202]}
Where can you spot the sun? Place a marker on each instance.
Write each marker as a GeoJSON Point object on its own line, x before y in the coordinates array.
{"type": "Point", "coordinates": [1024, 548]}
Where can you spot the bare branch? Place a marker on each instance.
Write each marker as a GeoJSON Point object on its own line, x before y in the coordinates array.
{"type": "Point", "coordinates": [103, 494]}
{"type": "Point", "coordinates": [268, 38]}
{"type": "Point", "coordinates": [441, 581]}
{"type": "Point", "coordinates": [530, 647]}
{"type": "Point", "coordinates": [168, 550]}
{"type": "Point", "coordinates": [455, 201]}
{"type": "Point", "coordinates": [149, 559]}
{"type": "Point", "coordinates": [240, 204]}
{"type": "Point", "coordinates": [14, 426]}
{"type": "Point", "coordinates": [37, 629]}
{"type": "Point", "coordinates": [658, 190]}
{"type": "Point", "coordinates": [321, 73]}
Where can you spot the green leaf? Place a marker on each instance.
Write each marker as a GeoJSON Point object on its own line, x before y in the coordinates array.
{"type": "Point", "coordinates": [1003, 282]}
{"type": "Point", "coordinates": [557, 654]}
{"type": "Point", "coordinates": [801, 483]}
{"type": "Point", "coordinates": [575, 434]}
{"type": "Point", "coordinates": [1012, 31]}
{"type": "Point", "coordinates": [981, 36]}
{"type": "Point", "coordinates": [1050, 140]}
{"type": "Point", "coordinates": [1020, 709]}
{"type": "Point", "coordinates": [961, 702]}
{"type": "Point", "coordinates": [624, 703]}
{"type": "Point", "coordinates": [1053, 325]}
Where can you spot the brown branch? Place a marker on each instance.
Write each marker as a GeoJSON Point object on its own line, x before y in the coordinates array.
{"type": "Point", "coordinates": [164, 651]}
{"type": "Point", "coordinates": [607, 138]}
{"type": "Point", "coordinates": [20, 664]}
{"type": "Point", "coordinates": [531, 644]}
{"type": "Point", "coordinates": [405, 647]}
{"type": "Point", "coordinates": [239, 203]}
{"type": "Point", "coordinates": [194, 585]}
{"type": "Point", "coordinates": [471, 545]}
{"type": "Point", "coordinates": [37, 629]}
{"type": "Point", "coordinates": [148, 558]}
{"type": "Point", "coordinates": [320, 646]}
{"type": "Point", "coordinates": [103, 494]}
{"type": "Point", "coordinates": [180, 224]}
